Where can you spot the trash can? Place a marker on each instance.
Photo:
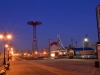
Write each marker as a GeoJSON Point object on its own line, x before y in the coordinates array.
{"type": "Point", "coordinates": [97, 64]}
{"type": "Point", "coordinates": [70, 57]}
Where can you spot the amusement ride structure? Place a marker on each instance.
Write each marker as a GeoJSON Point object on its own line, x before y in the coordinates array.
{"type": "Point", "coordinates": [34, 41]}
{"type": "Point", "coordinates": [57, 49]}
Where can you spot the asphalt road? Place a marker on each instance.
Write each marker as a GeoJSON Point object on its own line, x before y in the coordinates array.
{"type": "Point", "coordinates": [21, 66]}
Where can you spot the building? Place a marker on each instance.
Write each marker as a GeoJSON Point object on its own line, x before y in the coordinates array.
{"type": "Point", "coordinates": [82, 52]}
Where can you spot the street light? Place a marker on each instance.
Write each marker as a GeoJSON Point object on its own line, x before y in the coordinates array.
{"type": "Point", "coordinates": [85, 40]}
{"type": "Point", "coordinates": [11, 51]}
{"type": "Point", "coordinates": [7, 45]}
{"type": "Point", "coordinates": [5, 36]}
{"type": "Point", "coordinates": [9, 48]}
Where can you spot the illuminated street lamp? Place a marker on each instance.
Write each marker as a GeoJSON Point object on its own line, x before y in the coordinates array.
{"type": "Point", "coordinates": [6, 45]}
{"type": "Point", "coordinates": [5, 36]}
{"type": "Point", "coordinates": [9, 48]}
{"type": "Point", "coordinates": [85, 41]}
{"type": "Point", "coordinates": [11, 51]}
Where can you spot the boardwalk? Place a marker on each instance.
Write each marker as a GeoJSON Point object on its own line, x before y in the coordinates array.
{"type": "Point", "coordinates": [53, 67]}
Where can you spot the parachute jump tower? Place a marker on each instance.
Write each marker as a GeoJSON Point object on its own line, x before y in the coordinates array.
{"type": "Point", "coordinates": [34, 41]}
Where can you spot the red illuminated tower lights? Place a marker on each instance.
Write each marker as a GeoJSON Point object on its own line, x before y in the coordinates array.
{"type": "Point", "coordinates": [34, 41]}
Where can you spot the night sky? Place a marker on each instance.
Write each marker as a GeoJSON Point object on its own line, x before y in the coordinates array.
{"type": "Point", "coordinates": [67, 18]}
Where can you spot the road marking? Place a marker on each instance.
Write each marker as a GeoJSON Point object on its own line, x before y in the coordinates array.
{"type": "Point", "coordinates": [53, 70]}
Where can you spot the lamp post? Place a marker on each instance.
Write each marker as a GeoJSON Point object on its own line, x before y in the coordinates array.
{"type": "Point", "coordinates": [85, 40]}
{"type": "Point", "coordinates": [11, 52]}
{"type": "Point", "coordinates": [5, 36]}
{"type": "Point", "coordinates": [9, 48]}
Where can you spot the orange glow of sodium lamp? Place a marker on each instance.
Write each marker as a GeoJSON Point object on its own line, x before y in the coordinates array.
{"type": "Point", "coordinates": [12, 51]}
{"type": "Point", "coordinates": [44, 52]}
{"type": "Point", "coordinates": [7, 36]}
{"type": "Point", "coordinates": [1, 36]}
{"type": "Point", "coordinates": [36, 52]}
{"type": "Point", "coordinates": [6, 45]}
